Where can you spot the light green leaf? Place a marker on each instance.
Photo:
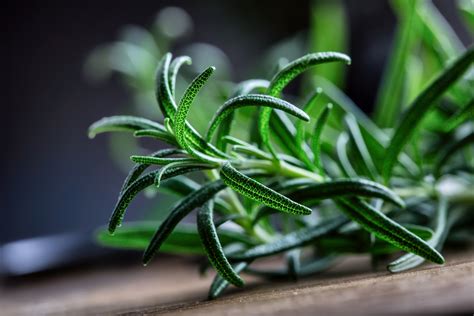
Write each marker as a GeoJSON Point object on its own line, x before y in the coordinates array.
{"type": "Point", "coordinates": [316, 137]}
{"type": "Point", "coordinates": [123, 123]}
{"type": "Point", "coordinates": [420, 106]}
{"type": "Point", "coordinates": [174, 69]}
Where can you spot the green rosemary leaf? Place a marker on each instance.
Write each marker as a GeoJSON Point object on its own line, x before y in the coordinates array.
{"type": "Point", "coordinates": [219, 284]}
{"type": "Point", "coordinates": [174, 69]}
{"type": "Point", "coordinates": [285, 76]}
{"type": "Point", "coordinates": [184, 207]}
{"type": "Point", "coordinates": [139, 185]}
{"type": "Point", "coordinates": [251, 151]}
{"type": "Point", "coordinates": [123, 123]}
{"type": "Point", "coordinates": [285, 131]}
{"type": "Point", "coordinates": [184, 239]}
{"type": "Point", "coordinates": [466, 7]}
{"type": "Point", "coordinates": [243, 88]}
{"type": "Point", "coordinates": [247, 86]}
{"type": "Point", "coordinates": [184, 164]}
{"type": "Point", "coordinates": [163, 93]}
{"type": "Point", "coordinates": [258, 192]}
{"type": "Point", "coordinates": [420, 106]}
{"type": "Point", "coordinates": [341, 149]}
{"type": "Point", "coordinates": [139, 168]}
{"type": "Point", "coordinates": [307, 108]}
{"type": "Point", "coordinates": [391, 92]}
{"type": "Point", "coordinates": [252, 100]}
{"type": "Point", "coordinates": [210, 241]}
{"type": "Point", "coordinates": [423, 232]}
{"type": "Point", "coordinates": [186, 135]}
{"type": "Point", "coordinates": [462, 115]}
{"type": "Point", "coordinates": [386, 229]}
{"type": "Point", "coordinates": [226, 218]}
{"type": "Point", "coordinates": [359, 142]}
{"type": "Point", "coordinates": [347, 187]}
{"type": "Point", "coordinates": [185, 104]}
{"type": "Point", "coordinates": [179, 185]}
{"type": "Point", "coordinates": [450, 150]}
{"type": "Point", "coordinates": [292, 240]}
{"type": "Point", "coordinates": [410, 260]}
{"type": "Point", "coordinates": [150, 160]}
{"type": "Point", "coordinates": [136, 235]}
{"type": "Point", "coordinates": [316, 137]}
{"type": "Point", "coordinates": [166, 137]}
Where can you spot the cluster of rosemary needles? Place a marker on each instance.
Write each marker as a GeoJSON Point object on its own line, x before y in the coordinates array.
{"type": "Point", "coordinates": [313, 182]}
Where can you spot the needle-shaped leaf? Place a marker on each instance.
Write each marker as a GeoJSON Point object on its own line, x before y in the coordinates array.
{"type": "Point", "coordinates": [420, 106]}
{"type": "Point", "coordinates": [186, 136]}
{"type": "Point", "coordinates": [258, 100]}
{"type": "Point", "coordinates": [316, 137]}
{"type": "Point", "coordinates": [284, 77]}
{"type": "Point", "coordinates": [139, 168]}
{"type": "Point", "coordinates": [390, 97]}
{"type": "Point", "coordinates": [462, 115]}
{"type": "Point", "coordinates": [301, 129]}
{"type": "Point", "coordinates": [212, 245]}
{"type": "Point", "coordinates": [258, 192]}
{"type": "Point", "coordinates": [341, 149]}
{"type": "Point", "coordinates": [123, 123]}
{"type": "Point", "coordinates": [359, 142]}
{"type": "Point", "coordinates": [163, 93]}
{"type": "Point", "coordinates": [184, 239]}
{"type": "Point", "coordinates": [386, 229]}
{"type": "Point", "coordinates": [185, 104]}
{"type": "Point", "coordinates": [174, 69]}
{"type": "Point", "coordinates": [163, 136]}
{"type": "Point", "coordinates": [219, 284]}
{"type": "Point", "coordinates": [183, 208]}
{"type": "Point", "coordinates": [443, 224]}
{"type": "Point", "coordinates": [184, 164]}
{"type": "Point", "coordinates": [450, 150]}
{"type": "Point", "coordinates": [139, 185]}
{"type": "Point", "coordinates": [292, 240]}
{"type": "Point", "coordinates": [150, 160]}
{"type": "Point", "coordinates": [243, 88]}
{"type": "Point", "coordinates": [347, 187]}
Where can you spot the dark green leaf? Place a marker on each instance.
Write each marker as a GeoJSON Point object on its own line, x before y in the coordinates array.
{"type": "Point", "coordinates": [386, 229]}
{"type": "Point", "coordinates": [256, 191]}
{"type": "Point", "coordinates": [292, 240]}
{"type": "Point", "coordinates": [285, 76]}
{"type": "Point", "coordinates": [137, 186]}
{"type": "Point", "coordinates": [183, 208]}
{"type": "Point", "coordinates": [258, 100]}
{"type": "Point", "coordinates": [212, 245]}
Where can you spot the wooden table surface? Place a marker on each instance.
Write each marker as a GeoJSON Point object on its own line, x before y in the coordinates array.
{"type": "Point", "coordinates": [172, 286]}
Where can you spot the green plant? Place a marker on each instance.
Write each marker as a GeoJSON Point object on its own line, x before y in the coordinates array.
{"type": "Point", "coordinates": [294, 190]}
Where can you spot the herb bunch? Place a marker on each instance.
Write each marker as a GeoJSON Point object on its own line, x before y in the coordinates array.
{"type": "Point", "coordinates": [312, 183]}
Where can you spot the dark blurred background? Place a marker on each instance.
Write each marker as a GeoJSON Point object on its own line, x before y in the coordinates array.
{"type": "Point", "coordinates": [54, 178]}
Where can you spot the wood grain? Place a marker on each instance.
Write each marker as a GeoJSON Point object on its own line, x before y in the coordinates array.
{"type": "Point", "coordinates": [173, 286]}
